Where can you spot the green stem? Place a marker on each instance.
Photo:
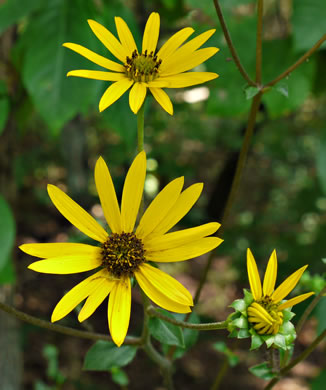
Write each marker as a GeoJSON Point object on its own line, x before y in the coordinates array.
{"type": "Point", "coordinates": [221, 374]}
{"type": "Point", "coordinates": [299, 62]}
{"type": "Point", "coordinates": [140, 128]}
{"type": "Point", "coordinates": [183, 324]}
{"type": "Point", "coordinates": [259, 38]}
{"type": "Point", "coordinates": [230, 44]}
{"type": "Point", "coordinates": [294, 362]}
{"type": "Point", "coordinates": [309, 309]}
{"type": "Point", "coordinates": [63, 329]}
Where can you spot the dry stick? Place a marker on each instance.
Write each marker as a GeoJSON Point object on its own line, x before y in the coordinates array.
{"type": "Point", "coordinates": [294, 362]}
{"type": "Point", "coordinates": [230, 44]}
{"type": "Point", "coordinates": [63, 329]}
{"type": "Point", "coordinates": [299, 62]}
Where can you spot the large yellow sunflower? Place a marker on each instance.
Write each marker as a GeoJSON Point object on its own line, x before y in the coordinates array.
{"type": "Point", "coordinates": [266, 312]}
{"type": "Point", "coordinates": [124, 252]}
{"type": "Point", "coordinates": [168, 68]}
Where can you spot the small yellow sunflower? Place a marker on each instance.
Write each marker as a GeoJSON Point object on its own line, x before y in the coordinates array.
{"type": "Point", "coordinates": [125, 252]}
{"type": "Point", "coordinates": [168, 68]}
{"type": "Point", "coordinates": [266, 312]}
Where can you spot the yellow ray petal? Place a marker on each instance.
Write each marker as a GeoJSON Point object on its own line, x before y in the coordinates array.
{"type": "Point", "coordinates": [188, 79]}
{"type": "Point", "coordinates": [260, 325]}
{"type": "Point", "coordinates": [94, 57]}
{"type": "Point", "coordinates": [165, 297]}
{"type": "Point", "coordinates": [294, 301]}
{"type": "Point", "coordinates": [95, 299]}
{"type": "Point", "coordinates": [253, 275]}
{"type": "Point", "coordinates": [270, 275]}
{"type": "Point", "coordinates": [109, 40]}
{"type": "Point", "coordinates": [186, 49]}
{"type": "Point", "coordinates": [188, 62]}
{"type": "Point", "coordinates": [157, 83]}
{"type": "Point", "coordinates": [288, 285]}
{"type": "Point", "coordinates": [136, 96]}
{"type": "Point", "coordinates": [173, 43]}
{"type": "Point", "coordinates": [119, 310]}
{"type": "Point", "coordinates": [113, 93]}
{"type": "Point", "coordinates": [132, 192]}
{"type": "Point", "coordinates": [180, 238]}
{"type": "Point", "coordinates": [56, 249]}
{"type": "Point", "coordinates": [66, 264]}
{"type": "Point", "coordinates": [167, 285]}
{"type": "Point", "coordinates": [97, 75]}
{"type": "Point", "coordinates": [159, 207]}
{"type": "Point", "coordinates": [186, 252]}
{"type": "Point", "coordinates": [108, 197]}
{"type": "Point", "coordinates": [151, 33]}
{"type": "Point", "coordinates": [162, 99]}
{"type": "Point", "coordinates": [76, 295]}
{"type": "Point", "coordinates": [256, 310]}
{"type": "Point", "coordinates": [76, 215]}
{"type": "Point", "coordinates": [125, 35]}
{"type": "Point", "coordinates": [181, 207]}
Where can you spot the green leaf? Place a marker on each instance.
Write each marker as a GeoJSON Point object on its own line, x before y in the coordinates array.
{"type": "Point", "coordinates": [7, 231]}
{"type": "Point", "coordinates": [256, 342]}
{"type": "Point", "coordinates": [239, 305]}
{"type": "Point", "coordinates": [232, 357]}
{"type": "Point", "coordinates": [165, 332]}
{"type": "Point", "coordinates": [319, 382]}
{"type": "Point", "coordinates": [104, 355]}
{"type": "Point", "coordinates": [263, 371]}
{"type": "Point", "coordinates": [119, 376]}
{"type": "Point", "coordinates": [308, 23]}
{"type": "Point", "coordinates": [46, 63]}
{"type": "Point", "coordinates": [11, 11]}
{"type": "Point", "coordinates": [250, 92]}
{"type": "Point", "coordinates": [7, 273]}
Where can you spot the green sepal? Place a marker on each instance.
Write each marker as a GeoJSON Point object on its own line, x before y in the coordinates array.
{"type": "Point", "coordinates": [287, 315]}
{"type": "Point", "coordinates": [233, 333]}
{"type": "Point", "coordinates": [239, 305]}
{"type": "Point", "coordinates": [243, 333]}
{"type": "Point", "coordinates": [269, 340]}
{"type": "Point", "coordinates": [248, 298]}
{"type": "Point", "coordinates": [240, 322]}
{"type": "Point", "coordinates": [256, 342]}
{"type": "Point", "coordinates": [279, 341]}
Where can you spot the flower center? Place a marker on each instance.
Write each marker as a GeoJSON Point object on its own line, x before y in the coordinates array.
{"type": "Point", "coordinates": [122, 254]}
{"type": "Point", "coordinates": [142, 67]}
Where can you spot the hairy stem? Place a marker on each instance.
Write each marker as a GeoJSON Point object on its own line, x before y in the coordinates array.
{"type": "Point", "coordinates": [230, 44]}
{"type": "Point", "coordinates": [294, 362]}
{"type": "Point", "coordinates": [297, 63]}
{"type": "Point", "coordinates": [63, 329]}
{"type": "Point", "coordinates": [183, 324]}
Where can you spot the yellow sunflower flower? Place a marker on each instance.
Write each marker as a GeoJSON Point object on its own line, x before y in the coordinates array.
{"type": "Point", "coordinates": [265, 313]}
{"type": "Point", "coordinates": [167, 68]}
{"type": "Point", "coordinates": [125, 252]}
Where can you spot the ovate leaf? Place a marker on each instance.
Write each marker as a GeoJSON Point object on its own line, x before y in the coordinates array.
{"type": "Point", "coordinates": [7, 231]}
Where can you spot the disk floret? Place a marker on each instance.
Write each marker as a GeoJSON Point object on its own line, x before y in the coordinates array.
{"type": "Point", "coordinates": [122, 254]}
{"type": "Point", "coordinates": [142, 67]}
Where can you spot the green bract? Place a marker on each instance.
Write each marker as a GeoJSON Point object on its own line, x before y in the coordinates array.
{"type": "Point", "coordinates": [240, 328]}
